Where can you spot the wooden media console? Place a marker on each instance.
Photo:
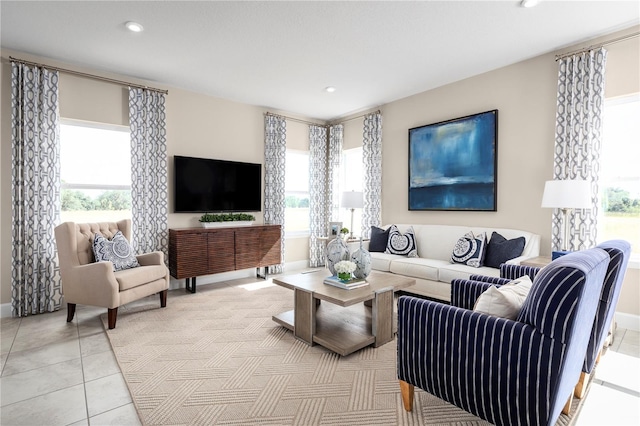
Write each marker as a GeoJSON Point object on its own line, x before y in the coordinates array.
{"type": "Point", "coordinates": [204, 251]}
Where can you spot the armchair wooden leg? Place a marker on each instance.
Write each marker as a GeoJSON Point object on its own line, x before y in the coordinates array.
{"type": "Point", "coordinates": [406, 390]}
{"type": "Point", "coordinates": [71, 311]}
{"type": "Point", "coordinates": [113, 314]}
{"type": "Point", "coordinates": [581, 387]}
{"type": "Point", "coordinates": [567, 407]}
{"type": "Point", "coordinates": [163, 298]}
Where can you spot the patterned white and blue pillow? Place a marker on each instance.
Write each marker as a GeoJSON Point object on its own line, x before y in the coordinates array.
{"type": "Point", "coordinates": [470, 250]}
{"type": "Point", "coordinates": [118, 251]}
{"type": "Point", "coordinates": [403, 244]}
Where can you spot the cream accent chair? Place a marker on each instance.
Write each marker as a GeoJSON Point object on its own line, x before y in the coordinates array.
{"type": "Point", "coordinates": [88, 282]}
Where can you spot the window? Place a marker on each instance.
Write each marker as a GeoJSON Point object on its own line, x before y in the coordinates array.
{"type": "Point", "coordinates": [619, 172]}
{"type": "Point", "coordinates": [95, 172]}
{"type": "Point", "coordinates": [296, 188]}
{"type": "Point", "coordinates": [352, 176]}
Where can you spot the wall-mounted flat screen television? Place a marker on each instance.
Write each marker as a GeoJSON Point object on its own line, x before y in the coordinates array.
{"type": "Point", "coordinates": [209, 186]}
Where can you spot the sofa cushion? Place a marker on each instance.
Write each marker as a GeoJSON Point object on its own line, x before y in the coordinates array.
{"type": "Point", "coordinates": [130, 278]}
{"type": "Point", "coordinates": [378, 239]}
{"type": "Point", "coordinates": [117, 251]}
{"type": "Point", "coordinates": [403, 244]}
{"type": "Point", "coordinates": [470, 250]}
{"type": "Point", "coordinates": [452, 271]}
{"type": "Point", "coordinates": [382, 261]}
{"type": "Point", "coordinates": [504, 301]}
{"type": "Point", "coordinates": [417, 267]}
{"type": "Point", "coordinates": [499, 249]}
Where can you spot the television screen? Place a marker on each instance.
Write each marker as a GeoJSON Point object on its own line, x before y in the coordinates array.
{"type": "Point", "coordinates": [208, 185]}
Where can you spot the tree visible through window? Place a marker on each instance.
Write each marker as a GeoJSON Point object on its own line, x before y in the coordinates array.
{"type": "Point", "coordinates": [619, 172]}
{"type": "Point", "coordinates": [95, 172]}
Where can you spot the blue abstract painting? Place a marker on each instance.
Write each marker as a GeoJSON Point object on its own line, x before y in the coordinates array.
{"type": "Point", "coordinates": [452, 164]}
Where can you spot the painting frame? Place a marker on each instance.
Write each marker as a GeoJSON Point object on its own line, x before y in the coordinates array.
{"type": "Point", "coordinates": [453, 164]}
{"type": "Point", "coordinates": [334, 230]}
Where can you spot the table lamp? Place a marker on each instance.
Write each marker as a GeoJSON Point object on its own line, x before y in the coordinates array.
{"type": "Point", "coordinates": [566, 195]}
{"type": "Point", "coordinates": [352, 200]}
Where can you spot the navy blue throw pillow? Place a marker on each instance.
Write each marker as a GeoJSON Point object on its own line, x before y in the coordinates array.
{"type": "Point", "coordinates": [499, 250]}
{"type": "Point", "coordinates": [378, 239]}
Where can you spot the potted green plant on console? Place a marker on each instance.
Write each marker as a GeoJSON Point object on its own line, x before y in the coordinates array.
{"type": "Point", "coordinates": [209, 220]}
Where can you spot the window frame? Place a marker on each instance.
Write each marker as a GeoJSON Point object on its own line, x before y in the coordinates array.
{"type": "Point", "coordinates": [634, 260]}
{"type": "Point", "coordinates": [93, 186]}
{"type": "Point", "coordinates": [300, 233]}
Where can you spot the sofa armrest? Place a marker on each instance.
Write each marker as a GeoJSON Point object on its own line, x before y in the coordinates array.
{"type": "Point", "coordinates": [153, 258]}
{"type": "Point", "coordinates": [511, 272]}
{"type": "Point", "coordinates": [518, 260]}
{"type": "Point", "coordinates": [91, 284]}
{"type": "Point", "coordinates": [464, 293]}
{"type": "Point", "coordinates": [487, 279]}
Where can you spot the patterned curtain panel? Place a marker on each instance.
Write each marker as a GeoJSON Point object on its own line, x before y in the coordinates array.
{"type": "Point", "coordinates": [149, 206]}
{"type": "Point", "coordinates": [35, 190]}
{"type": "Point", "coordinates": [372, 159]}
{"type": "Point", "coordinates": [318, 219]}
{"type": "Point", "coordinates": [333, 171]}
{"type": "Point", "coordinates": [578, 140]}
{"type": "Point", "coordinates": [275, 151]}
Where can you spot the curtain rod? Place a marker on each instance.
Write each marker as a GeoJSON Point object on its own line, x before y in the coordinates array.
{"type": "Point", "coordinates": [294, 119]}
{"type": "Point", "coordinates": [354, 118]}
{"type": "Point", "coordinates": [316, 124]}
{"type": "Point", "coordinates": [92, 76]}
{"type": "Point", "coordinates": [598, 45]}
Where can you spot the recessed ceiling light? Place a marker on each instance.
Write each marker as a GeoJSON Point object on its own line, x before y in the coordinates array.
{"type": "Point", "coordinates": [529, 3]}
{"type": "Point", "coordinates": [134, 26]}
{"type": "Point", "coordinates": [329, 89]}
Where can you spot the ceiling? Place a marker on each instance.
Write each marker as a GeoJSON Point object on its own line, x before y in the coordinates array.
{"type": "Point", "coordinates": [281, 55]}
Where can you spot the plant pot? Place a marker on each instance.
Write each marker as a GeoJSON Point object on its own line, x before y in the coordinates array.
{"type": "Point", "coordinates": [226, 224]}
{"type": "Point", "coordinates": [344, 276]}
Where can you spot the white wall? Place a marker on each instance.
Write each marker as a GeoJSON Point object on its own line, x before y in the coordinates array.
{"type": "Point", "coordinates": [199, 125]}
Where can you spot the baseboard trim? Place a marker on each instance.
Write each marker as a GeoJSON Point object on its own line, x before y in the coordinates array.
{"type": "Point", "coordinates": [628, 321]}
{"type": "Point", "coordinates": [234, 275]}
{"type": "Point", "coordinates": [5, 310]}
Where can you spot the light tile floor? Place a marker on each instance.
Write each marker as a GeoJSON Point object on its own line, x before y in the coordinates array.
{"type": "Point", "coordinates": [59, 373]}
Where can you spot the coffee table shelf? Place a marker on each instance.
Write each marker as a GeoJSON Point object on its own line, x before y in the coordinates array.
{"type": "Point", "coordinates": [342, 330]}
{"type": "Point", "coordinates": [345, 324]}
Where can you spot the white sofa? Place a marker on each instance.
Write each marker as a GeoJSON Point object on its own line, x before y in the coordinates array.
{"type": "Point", "coordinates": [432, 269]}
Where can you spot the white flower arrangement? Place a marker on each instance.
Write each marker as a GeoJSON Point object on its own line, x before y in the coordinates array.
{"type": "Point", "coordinates": [345, 267]}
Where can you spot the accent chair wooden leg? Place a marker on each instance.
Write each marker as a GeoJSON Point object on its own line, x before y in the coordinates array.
{"type": "Point", "coordinates": [163, 298]}
{"type": "Point", "coordinates": [113, 314]}
{"type": "Point", "coordinates": [598, 358]}
{"type": "Point", "coordinates": [581, 386]}
{"type": "Point", "coordinates": [71, 311]}
{"type": "Point", "coordinates": [406, 390]}
{"type": "Point", "coordinates": [567, 407]}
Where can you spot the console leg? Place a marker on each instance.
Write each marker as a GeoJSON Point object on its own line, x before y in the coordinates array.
{"type": "Point", "coordinates": [191, 284]}
{"type": "Point", "coordinates": [265, 275]}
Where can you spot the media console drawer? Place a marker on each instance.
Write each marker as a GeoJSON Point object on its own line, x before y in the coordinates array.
{"type": "Point", "coordinates": [203, 251]}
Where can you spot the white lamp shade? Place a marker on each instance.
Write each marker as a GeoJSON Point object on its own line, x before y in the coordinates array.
{"type": "Point", "coordinates": [352, 200]}
{"type": "Point", "coordinates": [567, 194]}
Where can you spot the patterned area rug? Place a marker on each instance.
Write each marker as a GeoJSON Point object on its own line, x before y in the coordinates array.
{"type": "Point", "coordinates": [216, 357]}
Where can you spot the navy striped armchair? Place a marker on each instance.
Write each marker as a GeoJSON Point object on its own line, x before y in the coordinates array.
{"type": "Point", "coordinates": [464, 293]}
{"type": "Point", "coordinates": [506, 372]}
